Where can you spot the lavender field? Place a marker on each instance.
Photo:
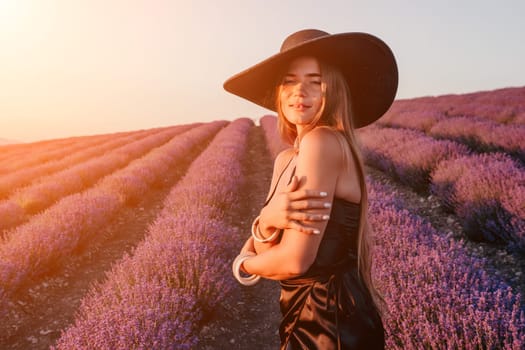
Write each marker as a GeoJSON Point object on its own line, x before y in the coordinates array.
{"type": "Point", "coordinates": [125, 240]}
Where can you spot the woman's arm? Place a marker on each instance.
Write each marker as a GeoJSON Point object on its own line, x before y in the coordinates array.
{"type": "Point", "coordinates": [318, 165]}
{"type": "Point", "coordinates": [287, 207]}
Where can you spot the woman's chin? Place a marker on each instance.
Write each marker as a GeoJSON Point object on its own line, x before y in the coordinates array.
{"type": "Point", "coordinates": [301, 120]}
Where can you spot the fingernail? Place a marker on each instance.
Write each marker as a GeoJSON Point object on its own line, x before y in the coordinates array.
{"type": "Point", "coordinates": [326, 217]}
{"type": "Point", "coordinates": [327, 205]}
{"type": "Point", "coordinates": [316, 232]}
{"type": "Point", "coordinates": [323, 194]}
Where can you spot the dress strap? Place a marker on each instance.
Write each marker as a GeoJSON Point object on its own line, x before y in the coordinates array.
{"type": "Point", "coordinates": [293, 173]}
{"type": "Point", "coordinates": [277, 182]}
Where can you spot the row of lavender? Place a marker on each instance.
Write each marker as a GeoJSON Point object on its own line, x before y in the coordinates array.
{"type": "Point", "coordinates": [271, 133]}
{"type": "Point", "coordinates": [485, 191]}
{"type": "Point", "coordinates": [505, 106]}
{"type": "Point", "coordinates": [454, 301]}
{"type": "Point", "coordinates": [18, 156]}
{"type": "Point", "coordinates": [439, 295]}
{"type": "Point", "coordinates": [46, 190]}
{"type": "Point", "coordinates": [156, 298]}
{"type": "Point", "coordinates": [17, 150]}
{"type": "Point", "coordinates": [29, 250]}
{"type": "Point", "coordinates": [32, 168]}
{"type": "Point", "coordinates": [481, 135]}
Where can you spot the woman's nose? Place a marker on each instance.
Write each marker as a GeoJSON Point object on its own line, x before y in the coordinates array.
{"type": "Point", "coordinates": [299, 89]}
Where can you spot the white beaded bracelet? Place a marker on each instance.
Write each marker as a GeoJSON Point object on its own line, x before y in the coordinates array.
{"type": "Point", "coordinates": [236, 267]}
{"type": "Point", "coordinates": [256, 232]}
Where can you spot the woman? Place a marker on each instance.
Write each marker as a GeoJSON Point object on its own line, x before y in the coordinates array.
{"type": "Point", "coordinates": [312, 233]}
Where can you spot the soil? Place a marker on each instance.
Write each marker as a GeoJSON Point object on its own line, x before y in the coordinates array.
{"type": "Point", "coordinates": [249, 316]}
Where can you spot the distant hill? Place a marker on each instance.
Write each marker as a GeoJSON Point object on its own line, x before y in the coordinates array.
{"type": "Point", "coordinates": [7, 141]}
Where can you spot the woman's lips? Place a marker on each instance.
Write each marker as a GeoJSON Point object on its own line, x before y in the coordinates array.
{"type": "Point", "coordinates": [300, 106]}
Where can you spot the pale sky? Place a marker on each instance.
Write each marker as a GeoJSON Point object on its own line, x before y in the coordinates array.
{"type": "Point", "coordinates": [81, 67]}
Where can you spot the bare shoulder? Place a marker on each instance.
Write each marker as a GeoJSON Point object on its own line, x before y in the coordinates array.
{"type": "Point", "coordinates": [283, 157]}
{"type": "Point", "coordinates": [322, 142]}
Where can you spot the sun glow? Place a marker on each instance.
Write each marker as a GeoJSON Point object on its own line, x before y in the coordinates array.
{"type": "Point", "coordinates": [13, 15]}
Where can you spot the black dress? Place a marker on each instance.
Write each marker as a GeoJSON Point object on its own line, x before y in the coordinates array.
{"type": "Point", "coordinates": [328, 307]}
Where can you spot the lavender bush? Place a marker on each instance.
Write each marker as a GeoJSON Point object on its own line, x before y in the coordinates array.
{"type": "Point", "coordinates": [485, 191]}
{"type": "Point", "coordinates": [483, 135]}
{"type": "Point", "coordinates": [408, 155]}
{"type": "Point", "coordinates": [10, 214]}
{"type": "Point", "coordinates": [512, 215]}
{"type": "Point", "coordinates": [419, 120]}
{"type": "Point", "coordinates": [271, 134]}
{"type": "Point", "coordinates": [519, 118]}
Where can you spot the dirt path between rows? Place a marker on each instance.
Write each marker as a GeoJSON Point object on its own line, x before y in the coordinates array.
{"type": "Point", "coordinates": [40, 313]}
{"type": "Point", "coordinates": [249, 316]}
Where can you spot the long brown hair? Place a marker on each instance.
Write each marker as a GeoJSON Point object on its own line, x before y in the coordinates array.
{"type": "Point", "coordinates": [336, 113]}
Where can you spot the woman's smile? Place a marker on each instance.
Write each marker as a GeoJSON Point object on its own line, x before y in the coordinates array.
{"type": "Point", "coordinates": [300, 106]}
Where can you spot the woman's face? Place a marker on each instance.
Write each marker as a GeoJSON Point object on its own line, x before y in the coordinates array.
{"type": "Point", "coordinates": [301, 93]}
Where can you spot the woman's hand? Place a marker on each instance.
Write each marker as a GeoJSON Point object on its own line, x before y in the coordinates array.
{"type": "Point", "coordinates": [289, 209]}
{"type": "Point", "coordinates": [248, 246]}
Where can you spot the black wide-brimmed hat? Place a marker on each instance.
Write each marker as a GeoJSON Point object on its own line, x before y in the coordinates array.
{"type": "Point", "coordinates": [366, 62]}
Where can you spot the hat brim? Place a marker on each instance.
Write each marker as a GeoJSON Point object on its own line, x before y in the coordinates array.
{"type": "Point", "coordinates": [366, 62]}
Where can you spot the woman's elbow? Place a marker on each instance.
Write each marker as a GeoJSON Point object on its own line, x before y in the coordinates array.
{"type": "Point", "coordinates": [299, 267]}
